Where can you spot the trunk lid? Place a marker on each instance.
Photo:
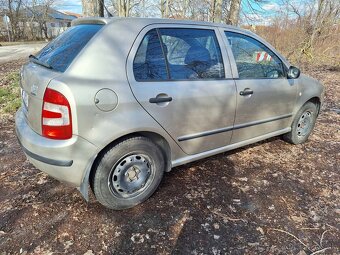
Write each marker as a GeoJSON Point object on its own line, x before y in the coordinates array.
{"type": "Point", "coordinates": [34, 81]}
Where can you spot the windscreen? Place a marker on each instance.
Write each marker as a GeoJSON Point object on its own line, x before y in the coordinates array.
{"type": "Point", "coordinates": [60, 52]}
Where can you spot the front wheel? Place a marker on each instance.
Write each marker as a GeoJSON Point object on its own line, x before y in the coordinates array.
{"type": "Point", "coordinates": [128, 173]}
{"type": "Point", "coordinates": [303, 124]}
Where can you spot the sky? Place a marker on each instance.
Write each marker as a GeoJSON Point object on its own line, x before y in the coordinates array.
{"type": "Point", "coordinates": [264, 11]}
{"type": "Point", "coordinates": [259, 13]}
{"type": "Point", "coordinates": [68, 5]}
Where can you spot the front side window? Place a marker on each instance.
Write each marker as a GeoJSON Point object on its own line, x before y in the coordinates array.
{"type": "Point", "coordinates": [149, 63]}
{"type": "Point", "coordinates": [253, 59]}
{"type": "Point", "coordinates": [192, 53]}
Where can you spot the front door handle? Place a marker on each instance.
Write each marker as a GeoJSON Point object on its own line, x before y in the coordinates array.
{"type": "Point", "coordinates": [246, 92]}
{"type": "Point", "coordinates": [156, 100]}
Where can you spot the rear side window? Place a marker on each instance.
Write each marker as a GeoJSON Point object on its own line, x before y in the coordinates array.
{"type": "Point", "coordinates": [253, 59]}
{"type": "Point", "coordinates": [192, 53]}
{"type": "Point", "coordinates": [178, 54]}
{"type": "Point", "coordinates": [61, 51]}
{"type": "Point", "coordinates": [149, 63]}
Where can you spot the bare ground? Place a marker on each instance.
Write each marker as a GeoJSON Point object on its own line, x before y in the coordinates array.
{"type": "Point", "coordinates": [267, 198]}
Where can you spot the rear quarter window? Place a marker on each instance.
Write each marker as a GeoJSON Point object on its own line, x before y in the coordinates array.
{"type": "Point", "coordinates": [60, 52]}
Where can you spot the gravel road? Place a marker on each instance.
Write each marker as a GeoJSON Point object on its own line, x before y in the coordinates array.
{"type": "Point", "coordinates": [17, 52]}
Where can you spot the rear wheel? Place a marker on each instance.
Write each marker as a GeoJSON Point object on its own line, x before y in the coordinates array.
{"type": "Point", "coordinates": [128, 173]}
{"type": "Point", "coordinates": [303, 124]}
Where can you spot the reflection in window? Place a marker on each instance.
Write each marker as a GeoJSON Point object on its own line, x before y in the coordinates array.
{"type": "Point", "coordinates": [60, 52]}
{"type": "Point", "coordinates": [253, 59]}
{"type": "Point", "coordinates": [192, 53]}
{"type": "Point", "coordinates": [149, 62]}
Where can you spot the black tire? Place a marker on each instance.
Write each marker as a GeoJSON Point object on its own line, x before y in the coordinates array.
{"type": "Point", "coordinates": [298, 134]}
{"type": "Point", "coordinates": [111, 182]}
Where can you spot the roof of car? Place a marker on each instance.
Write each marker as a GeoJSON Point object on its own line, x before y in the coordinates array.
{"type": "Point", "coordinates": [139, 23]}
{"type": "Point", "coordinates": [150, 21]}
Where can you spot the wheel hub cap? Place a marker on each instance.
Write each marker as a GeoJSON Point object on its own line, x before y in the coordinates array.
{"type": "Point", "coordinates": [304, 124]}
{"type": "Point", "coordinates": [130, 175]}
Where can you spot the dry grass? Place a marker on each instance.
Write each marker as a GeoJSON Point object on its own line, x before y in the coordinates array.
{"type": "Point", "coordinates": [291, 42]}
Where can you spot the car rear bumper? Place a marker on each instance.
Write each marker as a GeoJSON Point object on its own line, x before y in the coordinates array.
{"type": "Point", "coordinates": [65, 160]}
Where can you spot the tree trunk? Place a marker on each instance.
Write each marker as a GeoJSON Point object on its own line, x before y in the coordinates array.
{"type": "Point", "coordinates": [93, 8]}
{"type": "Point", "coordinates": [143, 9]}
{"type": "Point", "coordinates": [234, 12]}
{"type": "Point", "coordinates": [163, 5]}
{"type": "Point", "coordinates": [212, 11]}
{"type": "Point", "coordinates": [218, 11]}
{"type": "Point", "coordinates": [185, 8]}
{"type": "Point", "coordinates": [317, 22]}
{"type": "Point", "coordinates": [124, 7]}
{"type": "Point", "coordinates": [127, 10]}
{"type": "Point", "coordinates": [167, 8]}
{"type": "Point", "coordinates": [44, 29]}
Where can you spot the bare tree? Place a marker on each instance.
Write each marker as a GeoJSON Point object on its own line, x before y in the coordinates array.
{"type": "Point", "coordinates": [5, 28]}
{"type": "Point", "coordinates": [93, 8]}
{"type": "Point", "coordinates": [315, 19]}
{"type": "Point", "coordinates": [38, 12]}
{"type": "Point", "coordinates": [125, 8]}
{"type": "Point", "coordinates": [13, 11]}
{"type": "Point", "coordinates": [164, 8]}
{"type": "Point", "coordinates": [234, 12]}
{"type": "Point", "coordinates": [305, 31]}
{"type": "Point", "coordinates": [216, 11]}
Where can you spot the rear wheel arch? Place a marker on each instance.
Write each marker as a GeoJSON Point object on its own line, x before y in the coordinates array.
{"type": "Point", "coordinates": [128, 173]}
{"type": "Point", "coordinates": [162, 143]}
{"type": "Point", "coordinates": [154, 137]}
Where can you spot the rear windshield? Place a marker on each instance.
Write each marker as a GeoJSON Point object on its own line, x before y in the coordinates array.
{"type": "Point", "coordinates": [61, 51]}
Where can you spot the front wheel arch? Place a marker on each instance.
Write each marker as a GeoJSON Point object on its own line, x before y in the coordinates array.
{"type": "Point", "coordinates": [315, 100]}
{"type": "Point", "coordinates": [294, 136]}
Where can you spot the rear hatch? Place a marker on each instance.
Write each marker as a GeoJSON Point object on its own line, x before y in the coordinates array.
{"type": "Point", "coordinates": [34, 80]}
{"type": "Point", "coordinates": [51, 62]}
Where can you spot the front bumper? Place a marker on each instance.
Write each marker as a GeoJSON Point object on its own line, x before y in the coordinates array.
{"type": "Point", "coordinates": [65, 160]}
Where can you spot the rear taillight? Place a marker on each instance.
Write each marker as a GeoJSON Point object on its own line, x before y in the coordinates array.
{"type": "Point", "coordinates": [56, 117]}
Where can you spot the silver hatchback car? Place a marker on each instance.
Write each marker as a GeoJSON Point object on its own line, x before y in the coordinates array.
{"type": "Point", "coordinates": [114, 103]}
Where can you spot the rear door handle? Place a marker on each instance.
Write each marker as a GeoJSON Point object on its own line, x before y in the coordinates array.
{"type": "Point", "coordinates": [156, 100]}
{"type": "Point", "coordinates": [246, 92]}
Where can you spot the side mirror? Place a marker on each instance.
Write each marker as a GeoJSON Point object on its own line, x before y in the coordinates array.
{"type": "Point", "coordinates": [293, 72]}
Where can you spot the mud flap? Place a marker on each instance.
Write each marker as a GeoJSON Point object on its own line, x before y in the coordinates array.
{"type": "Point", "coordinates": [84, 186]}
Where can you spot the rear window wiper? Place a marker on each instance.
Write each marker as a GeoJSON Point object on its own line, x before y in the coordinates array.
{"type": "Point", "coordinates": [34, 59]}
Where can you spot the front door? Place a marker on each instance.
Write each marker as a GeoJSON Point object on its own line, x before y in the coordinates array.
{"type": "Point", "coordinates": [265, 97]}
{"type": "Point", "coordinates": [187, 91]}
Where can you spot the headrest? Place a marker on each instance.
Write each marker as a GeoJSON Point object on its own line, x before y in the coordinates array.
{"type": "Point", "coordinates": [197, 53]}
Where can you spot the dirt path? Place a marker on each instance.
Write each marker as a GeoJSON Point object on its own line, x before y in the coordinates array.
{"type": "Point", "coordinates": [268, 198]}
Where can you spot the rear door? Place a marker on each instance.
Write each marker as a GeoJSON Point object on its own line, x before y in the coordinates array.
{"type": "Point", "coordinates": [189, 92]}
{"type": "Point", "coordinates": [265, 97]}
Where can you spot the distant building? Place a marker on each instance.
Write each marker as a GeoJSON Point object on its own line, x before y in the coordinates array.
{"type": "Point", "coordinates": [38, 22]}
{"type": "Point", "coordinates": [49, 21]}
